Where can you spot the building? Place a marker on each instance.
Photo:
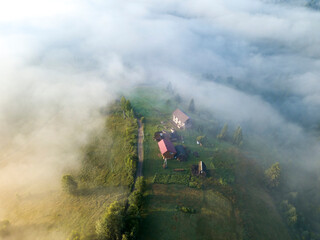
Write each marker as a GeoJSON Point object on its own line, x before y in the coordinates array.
{"type": "Point", "coordinates": [167, 149]}
{"type": "Point", "coordinates": [181, 119]}
{"type": "Point", "coordinates": [199, 170]}
{"type": "Point", "coordinates": [181, 153]}
{"type": "Point", "coordinates": [202, 169]}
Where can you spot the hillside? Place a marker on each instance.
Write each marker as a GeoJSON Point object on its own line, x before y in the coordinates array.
{"type": "Point", "coordinates": [105, 175]}
{"type": "Point", "coordinates": [230, 203]}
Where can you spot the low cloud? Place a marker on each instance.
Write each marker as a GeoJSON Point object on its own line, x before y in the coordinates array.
{"type": "Point", "coordinates": [254, 62]}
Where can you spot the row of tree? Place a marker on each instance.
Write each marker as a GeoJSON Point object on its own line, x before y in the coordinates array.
{"type": "Point", "coordinates": [237, 138]}
{"type": "Point", "coordinates": [121, 220]}
{"type": "Point", "coordinates": [126, 107]}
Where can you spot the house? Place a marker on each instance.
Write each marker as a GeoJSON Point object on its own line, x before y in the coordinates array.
{"type": "Point", "coordinates": [167, 149]}
{"type": "Point", "coordinates": [181, 119]}
{"type": "Point", "coordinates": [181, 153]}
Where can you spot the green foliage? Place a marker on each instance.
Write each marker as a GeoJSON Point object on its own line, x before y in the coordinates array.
{"type": "Point", "coordinates": [110, 158]}
{"type": "Point", "coordinates": [182, 179]}
{"type": "Point", "coordinates": [195, 184]}
{"type": "Point", "coordinates": [4, 228]}
{"type": "Point", "coordinates": [223, 164]}
{"type": "Point", "coordinates": [238, 137]}
{"type": "Point", "coordinates": [123, 102]}
{"type": "Point", "coordinates": [191, 107]}
{"type": "Point", "coordinates": [69, 185]}
{"type": "Point", "coordinates": [140, 184]}
{"type": "Point", "coordinates": [203, 140]}
{"type": "Point", "coordinates": [272, 175]}
{"type": "Point", "coordinates": [290, 213]}
{"type": "Point", "coordinates": [223, 133]}
{"type": "Point", "coordinates": [126, 107]}
{"type": "Point", "coordinates": [112, 224]}
{"type": "Point", "coordinates": [186, 209]}
{"type": "Point", "coordinates": [74, 236]}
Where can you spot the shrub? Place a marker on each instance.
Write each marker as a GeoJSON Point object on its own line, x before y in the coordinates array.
{"type": "Point", "coordinates": [111, 226]}
{"type": "Point", "coordinates": [69, 185]}
{"type": "Point", "coordinates": [74, 236]}
{"type": "Point", "coordinates": [4, 228]}
{"type": "Point", "coordinates": [186, 209]}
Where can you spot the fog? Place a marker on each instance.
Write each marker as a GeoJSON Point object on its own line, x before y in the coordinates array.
{"type": "Point", "coordinates": [254, 63]}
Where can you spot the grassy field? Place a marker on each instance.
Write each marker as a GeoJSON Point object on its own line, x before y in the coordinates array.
{"type": "Point", "coordinates": [105, 175]}
{"type": "Point", "coordinates": [231, 203]}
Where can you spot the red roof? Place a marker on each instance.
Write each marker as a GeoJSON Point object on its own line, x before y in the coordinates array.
{"type": "Point", "coordinates": [165, 146]}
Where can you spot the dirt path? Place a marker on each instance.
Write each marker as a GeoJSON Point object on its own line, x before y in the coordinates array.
{"type": "Point", "coordinates": [140, 148]}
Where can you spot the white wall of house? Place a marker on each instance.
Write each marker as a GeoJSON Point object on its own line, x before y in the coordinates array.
{"type": "Point", "coordinates": [178, 122]}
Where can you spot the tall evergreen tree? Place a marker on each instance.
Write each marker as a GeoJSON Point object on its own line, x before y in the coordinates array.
{"type": "Point", "coordinates": [223, 133]}
{"type": "Point", "coordinates": [272, 175]}
{"type": "Point", "coordinates": [191, 106]}
{"type": "Point", "coordinates": [237, 136]}
{"type": "Point", "coordinates": [170, 88]}
{"type": "Point", "coordinates": [123, 102]}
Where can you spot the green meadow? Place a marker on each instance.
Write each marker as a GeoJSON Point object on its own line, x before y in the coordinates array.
{"type": "Point", "coordinates": [230, 203]}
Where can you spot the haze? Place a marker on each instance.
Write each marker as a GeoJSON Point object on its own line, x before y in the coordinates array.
{"type": "Point", "coordinates": [251, 62]}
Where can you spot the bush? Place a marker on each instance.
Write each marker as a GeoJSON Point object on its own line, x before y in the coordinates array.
{"type": "Point", "coordinates": [140, 184]}
{"type": "Point", "coordinates": [111, 226]}
{"type": "Point", "coordinates": [290, 212]}
{"type": "Point", "coordinates": [194, 185]}
{"type": "Point", "coordinates": [182, 179]}
{"type": "Point", "coordinates": [161, 178]}
{"type": "Point", "coordinates": [272, 175]}
{"type": "Point", "coordinates": [74, 236]}
{"type": "Point", "coordinates": [69, 185]}
{"type": "Point", "coordinates": [4, 228]}
{"type": "Point", "coordinates": [186, 209]}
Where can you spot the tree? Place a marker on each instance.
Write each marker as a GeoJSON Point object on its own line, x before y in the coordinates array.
{"type": "Point", "coordinates": [123, 102]}
{"type": "Point", "coordinates": [223, 132]}
{"type": "Point", "coordinates": [111, 226]}
{"type": "Point", "coordinates": [237, 136]}
{"type": "Point", "coordinates": [74, 236]}
{"type": "Point", "coordinates": [69, 185]}
{"type": "Point", "coordinates": [128, 106]}
{"type": "Point", "coordinates": [169, 88]}
{"type": "Point", "coordinates": [202, 140]}
{"type": "Point", "coordinates": [191, 106]}
{"type": "Point", "coordinates": [4, 228]}
{"type": "Point", "coordinates": [290, 212]}
{"type": "Point", "coordinates": [177, 98]}
{"type": "Point", "coordinates": [272, 175]}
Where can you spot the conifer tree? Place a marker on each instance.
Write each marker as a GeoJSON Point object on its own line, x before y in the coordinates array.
{"type": "Point", "coordinates": [191, 106]}
{"type": "Point", "coordinates": [237, 137]}
{"type": "Point", "coordinates": [223, 133]}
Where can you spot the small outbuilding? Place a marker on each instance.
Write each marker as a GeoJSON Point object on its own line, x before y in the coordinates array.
{"type": "Point", "coordinates": [202, 169]}
{"type": "Point", "coordinates": [181, 153]}
{"type": "Point", "coordinates": [181, 119]}
{"type": "Point", "coordinates": [199, 170]}
{"type": "Point", "coordinates": [167, 149]}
